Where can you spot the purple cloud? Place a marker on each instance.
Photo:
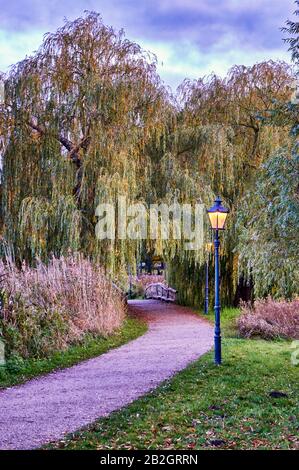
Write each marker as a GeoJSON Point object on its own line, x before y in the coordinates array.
{"type": "Point", "coordinates": [204, 21]}
{"type": "Point", "coordinates": [201, 30]}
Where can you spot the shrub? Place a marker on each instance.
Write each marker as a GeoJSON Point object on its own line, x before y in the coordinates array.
{"type": "Point", "coordinates": [270, 319]}
{"type": "Point", "coordinates": [48, 307]}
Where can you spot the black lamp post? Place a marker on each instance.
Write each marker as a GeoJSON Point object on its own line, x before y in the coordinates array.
{"type": "Point", "coordinates": [217, 215]}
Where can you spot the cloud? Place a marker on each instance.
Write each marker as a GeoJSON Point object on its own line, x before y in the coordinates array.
{"type": "Point", "coordinates": [177, 62]}
{"type": "Point", "coordinates": [190, 37]}
{"type": "Point", "coordinates": [14, 47]}
{"type": "Point", "coordinates": [208, 22]}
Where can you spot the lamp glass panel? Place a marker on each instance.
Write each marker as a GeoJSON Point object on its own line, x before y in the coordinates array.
{"type": "Point", "coordinates": [217, 220]}
{"type": "Point", "coordinates": [213, 219]}
{"type": "Point", "coordinates": [221, 219]}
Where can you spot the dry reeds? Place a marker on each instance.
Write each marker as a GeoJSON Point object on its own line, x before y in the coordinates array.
{"type": "Point", "coordinates": [48, 307]}
{"type": "Point", "coordinates": [270, 319]}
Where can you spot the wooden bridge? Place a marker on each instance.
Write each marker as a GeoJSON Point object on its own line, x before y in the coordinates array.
{"type": "Point", "coordinates": [159, 291]}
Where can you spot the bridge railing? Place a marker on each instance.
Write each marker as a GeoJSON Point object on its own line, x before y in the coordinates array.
{"type": "Point", "coordinates": [159, 291]}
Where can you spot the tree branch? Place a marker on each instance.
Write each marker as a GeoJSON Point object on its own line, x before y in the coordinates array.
{"type": "Point", "coordinates": [72, 149]}
{"type": "Point", "coordinates": [73, 152]}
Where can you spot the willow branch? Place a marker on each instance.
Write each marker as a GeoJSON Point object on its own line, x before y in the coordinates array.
{"type": "Point", "coordinates": [67, 144]}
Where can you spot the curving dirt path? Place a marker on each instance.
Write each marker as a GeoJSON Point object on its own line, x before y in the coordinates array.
{"type": "Point", "coordinates": [46, 408]}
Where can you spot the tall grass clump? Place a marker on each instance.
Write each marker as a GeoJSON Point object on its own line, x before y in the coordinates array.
{"type": "Point", "coordinates": [51, 306]}
{"type": "Point", "coordinates": [270, 319]}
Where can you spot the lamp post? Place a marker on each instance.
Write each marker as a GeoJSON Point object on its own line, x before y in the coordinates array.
{"type": "Point", "coordinates": [206, 304]}
{"type": "Point", "coordinates": [217, 215]}
{"type": "Point", "coordinates": [130, 282]}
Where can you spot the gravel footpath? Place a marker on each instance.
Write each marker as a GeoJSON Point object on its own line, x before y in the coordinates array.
{"type": "Point", "coordinates": [45, 408]}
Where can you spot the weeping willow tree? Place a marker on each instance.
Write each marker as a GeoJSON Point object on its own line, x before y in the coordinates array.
{"type": "Point", "coordinates": [269, 217]}
{"type": "Point", "coordinates": [77, 121]}
{"type": "Point", "coordinates": [222, 138]}
{"type": "Point", "coordinates": [87, 119]}
{"type": "Point", "coordinates": [269, 220]}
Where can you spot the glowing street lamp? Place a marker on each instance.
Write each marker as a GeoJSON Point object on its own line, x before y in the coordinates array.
{"type": "Point", "coordinates": [217, 215]}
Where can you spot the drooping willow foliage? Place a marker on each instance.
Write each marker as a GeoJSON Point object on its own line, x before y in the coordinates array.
{"type": "Point", "coordinates": [87, 119]}
{"type": "Point", "coordinates": [80, 115]}
{"type": "Point", "coordinates": [268, 222]}
{"type": "Point", "coordinates": [224, 134]}
{"type": "Point", "coordinates": [268, 238]}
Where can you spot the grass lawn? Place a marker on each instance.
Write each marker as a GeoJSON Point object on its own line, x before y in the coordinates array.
{"type": "Point", "coordinates": [210, 407]}
{"type": "Point", "coordinates": [19, 371]}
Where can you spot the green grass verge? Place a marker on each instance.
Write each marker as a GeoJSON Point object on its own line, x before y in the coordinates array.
{"type": "Point", "coordinates": [18, 371]}
{"type": "Point", "coordinates": [210, 407]}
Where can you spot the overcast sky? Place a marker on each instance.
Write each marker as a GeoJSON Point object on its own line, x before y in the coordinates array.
{"type": "Point", "coordinates": [191, 38]}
